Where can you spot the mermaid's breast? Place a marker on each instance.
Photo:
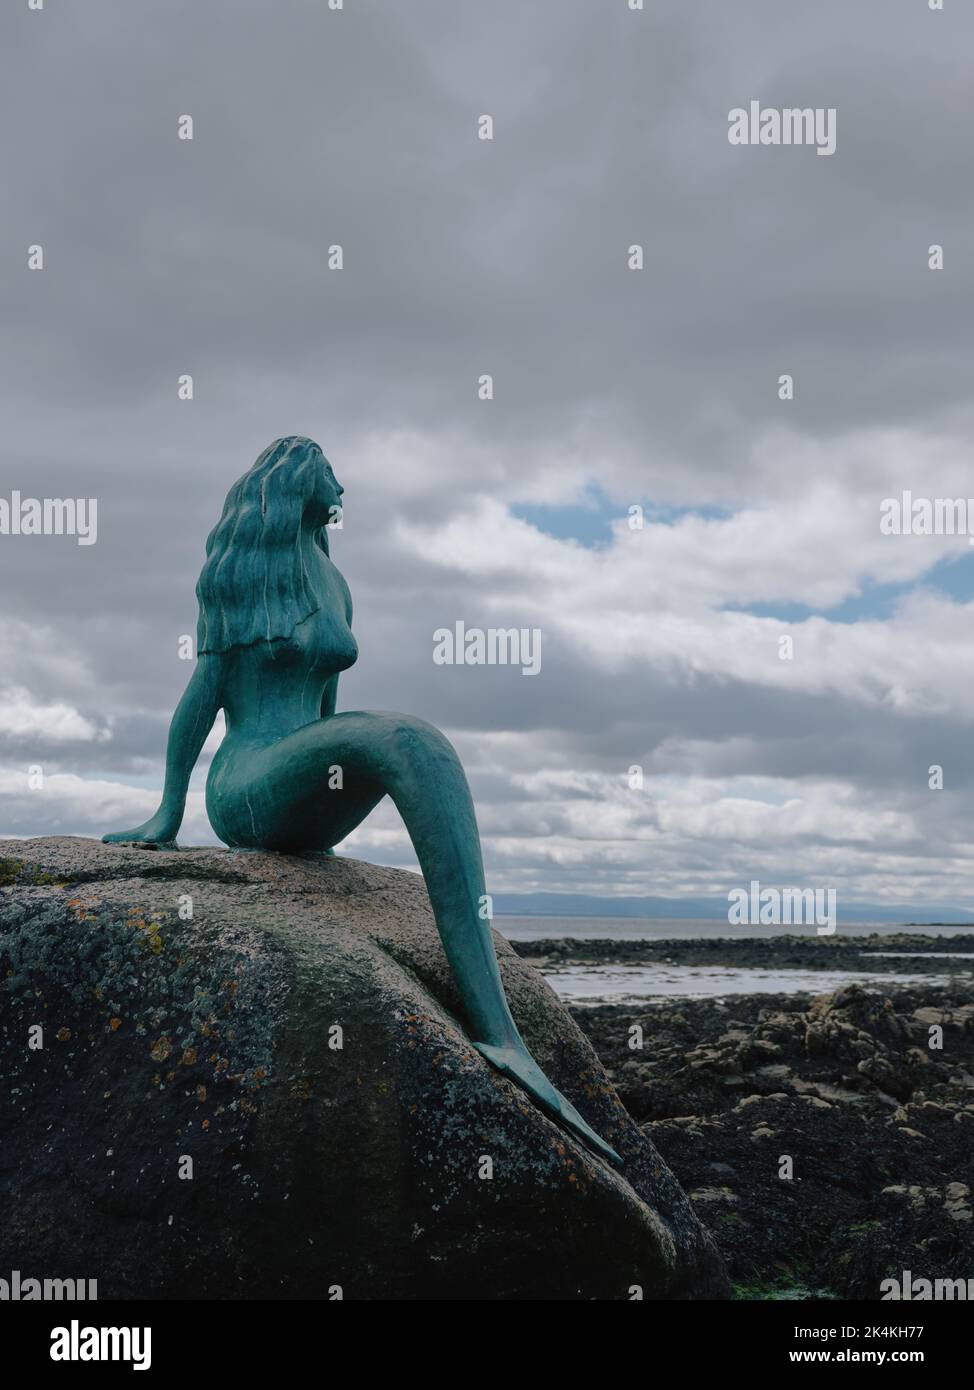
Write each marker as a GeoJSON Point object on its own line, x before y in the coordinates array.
{"type": "Point", "coordinates": [328, 644]}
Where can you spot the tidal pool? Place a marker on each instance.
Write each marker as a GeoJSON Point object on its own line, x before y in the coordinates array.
{"type": "Point", "coordinates": [619, 984]}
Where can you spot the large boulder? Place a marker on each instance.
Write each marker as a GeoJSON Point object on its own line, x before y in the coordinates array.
{"type": "Point", "coordinates": [275, 1096]}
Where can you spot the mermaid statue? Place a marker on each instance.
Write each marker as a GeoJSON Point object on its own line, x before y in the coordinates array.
{"type": "Point", "coordinates": [274, 633]}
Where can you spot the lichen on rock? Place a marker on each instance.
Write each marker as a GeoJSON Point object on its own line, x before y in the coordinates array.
{"type": "Point", "coordinates": [240, 1074]}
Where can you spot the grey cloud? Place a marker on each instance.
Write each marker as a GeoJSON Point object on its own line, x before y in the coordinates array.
{"type": "Point", "coordinates": [164, 257]}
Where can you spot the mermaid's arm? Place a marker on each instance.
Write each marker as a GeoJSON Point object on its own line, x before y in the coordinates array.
{"type": "Point", "coordinates": [190, 725]}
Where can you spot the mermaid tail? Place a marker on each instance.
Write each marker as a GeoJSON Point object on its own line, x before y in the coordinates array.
{"type": "Point", "coordinates": [516, 1062]}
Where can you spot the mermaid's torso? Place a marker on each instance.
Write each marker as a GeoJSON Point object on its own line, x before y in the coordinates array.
{"type": "Point", "coordinates": [272, 689]}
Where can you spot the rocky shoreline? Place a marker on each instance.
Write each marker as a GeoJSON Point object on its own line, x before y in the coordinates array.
{"type": "Point", "coordinates": [785, 952]}
{"type": "Point", "coordinates": [876, 1119]}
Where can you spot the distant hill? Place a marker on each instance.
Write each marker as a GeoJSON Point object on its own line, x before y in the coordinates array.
{"type": "Point", "coordinates": [708, 909]}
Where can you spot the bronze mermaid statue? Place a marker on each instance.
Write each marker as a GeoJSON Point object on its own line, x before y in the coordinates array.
{"type": "Point", "coordinates": [274, 633]}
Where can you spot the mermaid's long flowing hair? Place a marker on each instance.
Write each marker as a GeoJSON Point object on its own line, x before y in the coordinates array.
{"type": "Point", "coordinates": [258, 581]}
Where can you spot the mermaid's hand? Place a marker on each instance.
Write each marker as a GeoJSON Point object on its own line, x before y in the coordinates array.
{"type": "Point", "coordinates": [161, 829]}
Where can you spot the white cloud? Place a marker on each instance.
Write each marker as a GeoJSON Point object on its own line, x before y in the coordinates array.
{"type": "Point", "coordinates": [22, 718]}
{"type": "Point", "coordinates": [657, 597]}
{"type": "Point", "coordinates": [66, 804]}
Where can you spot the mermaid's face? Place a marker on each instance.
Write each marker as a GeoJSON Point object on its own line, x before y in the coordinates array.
{"type": "Point", "coordinates": [327, 494]}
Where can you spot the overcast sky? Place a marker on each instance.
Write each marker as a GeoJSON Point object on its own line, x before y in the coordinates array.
{"type": "Point", "coordinates": [612, 388]}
